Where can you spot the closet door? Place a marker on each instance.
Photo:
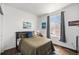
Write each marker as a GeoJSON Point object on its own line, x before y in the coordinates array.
{"type": "Point", "coordinates": [0, 31]}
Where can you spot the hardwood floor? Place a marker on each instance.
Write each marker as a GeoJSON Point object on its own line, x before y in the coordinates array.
{"type": "Point", "coordinates": [63, 51]}
{"type": "Point", "coordinates": [12, 51]}
{"type": "Point", "coordinates": [58, 51]}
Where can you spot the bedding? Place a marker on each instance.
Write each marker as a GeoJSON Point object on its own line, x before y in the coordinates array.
{"type": "Point", "coordinates": [36, 46]}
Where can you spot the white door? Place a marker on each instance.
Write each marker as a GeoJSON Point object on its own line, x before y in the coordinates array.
{"type": "Point", "coordinates": [0, 31]}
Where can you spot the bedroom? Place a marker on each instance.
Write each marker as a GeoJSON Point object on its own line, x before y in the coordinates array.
{"type": "Point", "coordinates": [15, 18]}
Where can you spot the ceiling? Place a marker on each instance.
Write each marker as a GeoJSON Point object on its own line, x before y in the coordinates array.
{"type": "Point", "coordinates": [38, 8]}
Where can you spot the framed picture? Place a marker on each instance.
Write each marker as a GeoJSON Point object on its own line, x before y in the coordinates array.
{"type": "Point", "coordinates": [43, 25]}
{"type": "Point", "coordinates": [27, 25]}
{"type": "Point", "coordinates": [73, 23]}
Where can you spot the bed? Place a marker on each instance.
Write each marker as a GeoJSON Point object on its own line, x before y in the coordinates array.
{"type": "Point", "coordinates": [36, 45]}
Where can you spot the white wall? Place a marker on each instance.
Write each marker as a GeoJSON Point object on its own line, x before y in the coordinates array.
{"type": "Point", "coordinates": [0, 31]}
{"type": "Point", "coordinates": [42, 19]}
{"type": "Point", "coordinates": [13, 21]}
{"type": "Point", "coordinates": [71, 14]}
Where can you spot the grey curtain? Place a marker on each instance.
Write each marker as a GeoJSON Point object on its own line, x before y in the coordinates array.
{"type": "Point", "coordinates": [1, 11]}
{"type": "Point", "coordinates": [62, 34]}
{"type": "Point", "coordinates": [48, 27]}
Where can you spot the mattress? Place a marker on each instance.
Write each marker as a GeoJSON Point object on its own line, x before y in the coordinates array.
{"type": "Point", "coordinates": [36, 46]}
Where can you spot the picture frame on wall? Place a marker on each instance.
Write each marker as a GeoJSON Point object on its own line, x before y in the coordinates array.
{"type": "Point", "coordinates": [27, 25]}
{"type": "Point", "coordinates": [73, 23]}
{"type": "Point", "coordinates": [43, 25]}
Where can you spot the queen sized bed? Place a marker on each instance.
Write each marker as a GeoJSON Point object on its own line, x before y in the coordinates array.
{"type": "Point", "coordinates": [36, 45]}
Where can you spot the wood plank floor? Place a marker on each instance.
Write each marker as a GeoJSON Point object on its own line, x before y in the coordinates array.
{"type": "Point", "coordinates": [63, 51]}
{"type": "Point", "coordinates": [58, 51]}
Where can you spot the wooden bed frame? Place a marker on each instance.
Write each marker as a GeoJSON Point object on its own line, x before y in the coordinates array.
{"type": "Point", "coordinates": [17, 36]}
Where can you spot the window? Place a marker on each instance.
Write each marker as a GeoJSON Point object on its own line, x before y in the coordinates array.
{"type": "Point", "coordinates": [55, 23]}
